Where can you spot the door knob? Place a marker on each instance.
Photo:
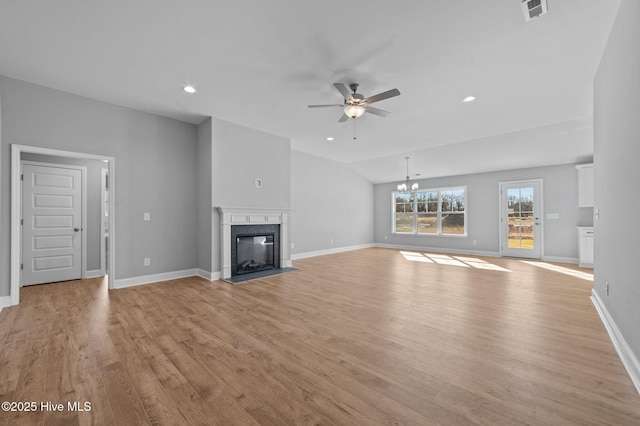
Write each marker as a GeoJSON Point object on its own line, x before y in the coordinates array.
{"type": "Point", "coordinates": [76, 229]}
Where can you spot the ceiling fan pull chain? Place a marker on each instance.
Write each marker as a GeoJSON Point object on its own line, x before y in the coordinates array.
{"type": "Point", "coordinates": [354, 130]}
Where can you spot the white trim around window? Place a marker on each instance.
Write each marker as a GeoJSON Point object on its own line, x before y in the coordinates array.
{"type": "Point", "coordinates": [438, 212]}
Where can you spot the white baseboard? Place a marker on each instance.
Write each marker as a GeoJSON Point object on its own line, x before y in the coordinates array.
{"type": "Point", "coordinates": [207, 275]}
{"type": "Point", "coordinates": [558, 259]}
{"type": "Point", "coordinates": [329, 251]}
{"type": "Point", "coordinates": [94, 274]}
{"type": "Point", "coordinates": [440, 250]}
{"type": "Point", "coordinates": [5, 302]}
{"type": "Point", "coordinates": [148, 279]}
{"type": "Point", "coordinates": [628, 358]}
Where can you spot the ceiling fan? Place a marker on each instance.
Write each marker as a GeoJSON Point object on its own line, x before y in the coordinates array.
{"type": "Point", "coordinates": [355, 104]}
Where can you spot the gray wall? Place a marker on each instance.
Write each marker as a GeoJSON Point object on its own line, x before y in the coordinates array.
{"type": "Point", "coordinates": [204, 186]}
{"type": "Point", "coordinates": [560, 195]}
{"type": "Point", "coordinates": [329, 201]}
{"type": "Point", "coordinates": [155, 171]}
{"type": "Point", "coordinates": [5, 286]}
{"type": "Point", "coordinates": [94, 193]}
{"type": "Point", "coordinates": [616, 154]}
{"type": "Point", "coordinates": [240, 155]}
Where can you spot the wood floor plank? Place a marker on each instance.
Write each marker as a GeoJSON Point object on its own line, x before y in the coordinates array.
{"type": "Point", "coordinates": [364, 337]}
{"type": "Point", "coordinates": [31, 384]}
{"type": "Point", "coordinates": [125, 404]}
{"type": "Point", "coordinates": [140, 383]}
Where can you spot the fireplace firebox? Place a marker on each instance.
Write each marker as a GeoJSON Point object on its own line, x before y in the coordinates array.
{"type": "Point", "coordinates": [254, 248]}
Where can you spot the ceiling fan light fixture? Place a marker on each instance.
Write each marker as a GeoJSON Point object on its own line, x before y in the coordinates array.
{"type": "Point", "coordinates": [354, 111]}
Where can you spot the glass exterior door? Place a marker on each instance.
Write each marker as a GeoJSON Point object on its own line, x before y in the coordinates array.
{"type": "Point", "coordinates": [520, 219]}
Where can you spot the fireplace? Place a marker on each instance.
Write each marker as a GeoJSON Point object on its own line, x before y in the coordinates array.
{"type": "Point", "coordinates": [251, 222]}
{"type": "Point", "coordinates": [254, 248]}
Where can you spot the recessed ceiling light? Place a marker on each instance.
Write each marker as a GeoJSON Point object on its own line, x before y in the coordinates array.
{"type": "Point", "coordinates": [469, 99]}
{"type": "Point", "coordinates": [329, 138]}
{"type": "Point", "coordinates": [189, 89]}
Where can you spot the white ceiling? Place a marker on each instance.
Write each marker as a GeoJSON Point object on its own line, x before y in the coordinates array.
{"type": "Point", "coordinates": [260, 63]}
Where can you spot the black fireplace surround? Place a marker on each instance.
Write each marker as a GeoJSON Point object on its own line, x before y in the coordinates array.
{"type": "Point", "coordinates": [254, 248]}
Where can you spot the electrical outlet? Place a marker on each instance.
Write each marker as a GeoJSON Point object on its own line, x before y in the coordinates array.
{"type": "Point", "coordinates": [293, 245]}
{"type": "Point", "coordinates": [147, 216]}
{"type": "Point", "coordinates": [147, 261]}
{"type": "Point", "coordinates": [332, 241]}
{"type": "Point", "coordinates": [475, 242]}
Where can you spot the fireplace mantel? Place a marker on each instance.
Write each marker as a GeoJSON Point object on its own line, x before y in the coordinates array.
{"type": "Point", "coordinates": [232, 216]}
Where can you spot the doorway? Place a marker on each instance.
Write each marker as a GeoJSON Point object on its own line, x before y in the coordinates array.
{"type": "Point", "coordinates": [16, 210]}
{"type": "Point", "coordinates": [520, 219]}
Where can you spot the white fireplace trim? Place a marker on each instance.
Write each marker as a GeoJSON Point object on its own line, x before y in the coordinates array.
{"type": "Point", "coordinates": [252, 216]}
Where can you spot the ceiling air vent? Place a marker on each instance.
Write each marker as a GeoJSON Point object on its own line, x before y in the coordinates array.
{"type": "Point", "coordinates": [533, 8]}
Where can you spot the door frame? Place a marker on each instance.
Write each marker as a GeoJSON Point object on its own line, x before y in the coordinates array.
{"type": "Point", "coordinates": [501, 185]}
{"type": "Point", "coordinates": [16, 235]}
{"type": "Point", "coordinates": [103, 183]}
{"type": "Point", "coordinates": [83, 209]}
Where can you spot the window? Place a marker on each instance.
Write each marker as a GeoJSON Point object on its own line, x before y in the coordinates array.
{"type": "Point", "coordinates": [431, 212]}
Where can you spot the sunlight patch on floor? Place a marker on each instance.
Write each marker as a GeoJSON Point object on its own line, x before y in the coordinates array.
{"type": "Point", "coordinates": [415, 257]}
{"type": "Point", "coordinates": [481, 264]}
{"type": "Point", "coordinates": [567, 271]}
{"type": "Point", "coordinates": [443, 259]}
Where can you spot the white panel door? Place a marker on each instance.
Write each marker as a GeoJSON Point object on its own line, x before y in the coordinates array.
{"type": "Point", "coordinates": [51, 230]}
{"type": "Point", "coordinates": [520, 219]}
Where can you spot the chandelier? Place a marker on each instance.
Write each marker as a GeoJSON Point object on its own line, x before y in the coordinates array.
{"type": "Point", "coordinates": [404, 187]}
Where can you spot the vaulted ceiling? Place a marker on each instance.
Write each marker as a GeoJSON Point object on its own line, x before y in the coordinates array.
{"type": "Point", "coordinates": [260, 63]}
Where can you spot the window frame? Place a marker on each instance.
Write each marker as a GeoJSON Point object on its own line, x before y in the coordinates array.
{"type": "Point", "coordinates": [439, 214]}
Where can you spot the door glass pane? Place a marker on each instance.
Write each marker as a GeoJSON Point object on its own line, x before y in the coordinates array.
{"type": "Point", "coordinates": [520, 216]}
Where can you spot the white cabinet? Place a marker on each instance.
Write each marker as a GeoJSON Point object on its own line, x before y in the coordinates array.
{"type": "Point", "coordinates": [585, 246]}
{"type": "Point", "coordinates": [585, 185]}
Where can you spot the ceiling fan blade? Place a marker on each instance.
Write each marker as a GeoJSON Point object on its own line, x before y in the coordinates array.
{"type": "Point", "coordinates": [381, 96]}
{"type": "Point", "coordinates": [344, 118]}
{"type": "Point", "coordinates": [344, 91]}
{"type": "Point", "coordinates": [377, 111]}
{"type": "Point", "coordinates": [326, 105]}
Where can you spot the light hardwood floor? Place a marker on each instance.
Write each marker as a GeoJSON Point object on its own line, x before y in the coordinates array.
{"type": "Point", "coordinates": [359, 338]}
